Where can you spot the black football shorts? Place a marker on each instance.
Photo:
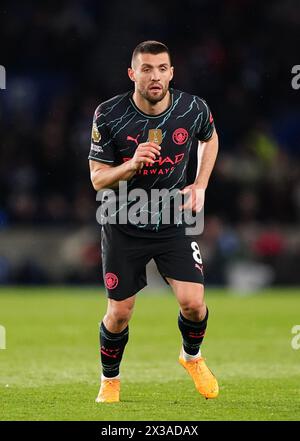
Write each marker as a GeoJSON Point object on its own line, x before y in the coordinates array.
{"type": "Point", "coordinates": [124, 259]}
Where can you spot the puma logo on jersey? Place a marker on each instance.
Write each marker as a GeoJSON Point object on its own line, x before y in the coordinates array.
{"type": "Point", "coordinates": [130, 138]}
{"type": "Point", "coordinates": [199, 267]}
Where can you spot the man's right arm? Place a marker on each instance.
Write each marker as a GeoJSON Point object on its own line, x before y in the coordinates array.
{"type": "Point", "coordinates": [108, 176]}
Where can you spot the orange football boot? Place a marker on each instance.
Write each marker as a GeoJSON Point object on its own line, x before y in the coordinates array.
{"type": "Point", "coordinates": [109, 391]}
{"type": "Point", "coordinates": [205, 381]}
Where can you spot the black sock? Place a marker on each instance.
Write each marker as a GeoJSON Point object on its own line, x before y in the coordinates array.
{"type": "Point", "coordinates": [112, 346]}
{"type": "Point", "coordinates": [192, 333]}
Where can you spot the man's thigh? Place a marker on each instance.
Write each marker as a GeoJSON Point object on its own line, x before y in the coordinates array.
{"type": "Point", "coordinates": [124, 260]}
{"type": "Point", "coordinates": [187, 292]}
{"type": "Point", "coordinates": [180, 259]}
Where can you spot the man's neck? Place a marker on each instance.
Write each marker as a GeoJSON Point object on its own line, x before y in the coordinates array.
{"type": "Point", "coordinates": [149, 108]}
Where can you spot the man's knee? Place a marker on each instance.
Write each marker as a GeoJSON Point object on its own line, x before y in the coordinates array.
{"type": "Point", "coordinates": [120, 318]}
{"type": "Point", "coordinates": [193, 307]}
{"type": "Point", "coordinates": [119, 312]}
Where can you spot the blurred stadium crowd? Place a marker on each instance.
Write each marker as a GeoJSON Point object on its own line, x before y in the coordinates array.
{"type": "Point", "coordinates": [63, 58]}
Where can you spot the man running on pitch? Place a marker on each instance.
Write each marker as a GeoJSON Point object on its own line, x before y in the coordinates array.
{"type": "Point", "coordinates": [144, 137]}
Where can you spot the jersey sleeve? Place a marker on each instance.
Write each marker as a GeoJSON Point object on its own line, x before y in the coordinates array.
{"type": "Point", "coordinates": [207, 126]}
{"type": "Point", "coordinates": [102, 147]}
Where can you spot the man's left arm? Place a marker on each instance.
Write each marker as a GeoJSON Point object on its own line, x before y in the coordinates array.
{"type": "Point", "coordinates": [196, 191]}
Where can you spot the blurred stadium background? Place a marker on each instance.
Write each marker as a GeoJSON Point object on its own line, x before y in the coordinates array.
{"type": "Point", "coordinates": [63, 58]}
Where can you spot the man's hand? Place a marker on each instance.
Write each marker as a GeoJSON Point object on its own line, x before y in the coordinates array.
{"type": "Point", "coordinates": [146, 152]}
{"type": "Point", "coordinates": [195, 196]}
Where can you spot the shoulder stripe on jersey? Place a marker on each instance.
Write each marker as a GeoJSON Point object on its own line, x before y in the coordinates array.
{"type": "Point", "coordinates": [115, 104]}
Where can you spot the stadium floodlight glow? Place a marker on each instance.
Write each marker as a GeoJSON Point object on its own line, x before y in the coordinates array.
{"type": "Point", "coordinates": [2, 77]}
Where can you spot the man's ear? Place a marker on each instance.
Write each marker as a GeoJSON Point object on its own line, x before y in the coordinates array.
{"type": "Point", "coordinates": [172, 73]}
{"type": "Point", "coordinates": [131, 74]}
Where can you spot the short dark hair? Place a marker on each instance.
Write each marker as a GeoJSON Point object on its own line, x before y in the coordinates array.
{"type": "Point", "coordinates": [150, 47]}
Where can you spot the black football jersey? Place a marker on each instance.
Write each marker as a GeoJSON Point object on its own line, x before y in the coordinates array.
{"type": "Point", "coordinates": [119, 126]}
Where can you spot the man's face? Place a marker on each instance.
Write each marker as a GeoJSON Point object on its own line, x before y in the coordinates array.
{"type": "Point", "coordinates": [152, 75]}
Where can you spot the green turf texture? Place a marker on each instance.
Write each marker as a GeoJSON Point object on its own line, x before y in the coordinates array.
{"type": "Point", "coordinates": [50, 368]}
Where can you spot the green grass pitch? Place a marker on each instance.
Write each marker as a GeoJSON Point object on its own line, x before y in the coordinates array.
{"type": "Point", "coordinates": [49, 370]}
